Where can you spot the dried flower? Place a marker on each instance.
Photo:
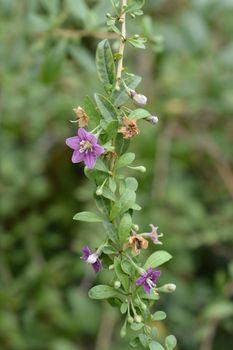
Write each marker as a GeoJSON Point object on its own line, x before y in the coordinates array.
{"type": "Point", "coordinates": [138, 99]}
{"type": "Point", "coordinates": [137, 243]}
{"type": "Point", "coordinates": [85, 148]}
{"type": "Point", "coordinates": [92, 259]}
{"type": "Point", "coordinates": [153, 235]}
{"type": "Point", "coordinates": [82, 117]}
{"type": "Point", "coordinates": [129, 128]}
{"type": "Point", "coordinates": [148, 280]}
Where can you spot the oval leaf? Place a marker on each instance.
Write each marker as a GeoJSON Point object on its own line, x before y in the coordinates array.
{"type": "Point", "coordinates": [154, 345]}
{"type": "Point", "coordinates": [103, 292]}
{"type": "Point", "coordinates": [170, 342]}
{"type": "Point", "coordinates": [118, 98]}
{"type": "Point", "coordinates": [124, 160]}
{"type": "Point", "coordinates": [139, 113]}
{"type": "Point", "coordinates": [106, 108]}
{"type": "Point", "coordinates": [88, 216]}
{"type": "Point", "coordinates": [105, 63]}
{"type": "Point", "coordinates": [124, 227]}
{"type": "Point", "coordinates": [156, 259]}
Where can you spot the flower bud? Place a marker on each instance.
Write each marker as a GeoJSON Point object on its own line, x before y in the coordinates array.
{"type": "Point", "coordinates": [143, 306]}
{"type": "Point", "coordinates": [111, 267]}
{"type": "Point", "coordinates": [123, 332]}
{"type": "Point", "coordinates": [139, 99]}
{"type": "Point", "coordinates": [117, 284]}
{"type": "Point", "coordinates": [136, 36]}
{"type": "Point", "coordinates": [153, 119]}
{"type": "Point", "coordinates": [167, 288]}
{"type": "Point", "coordinates": [140, 168]}
{"type": "Point", "coordinates": [137, 319]}
{"type": "Point", "coordinates": [130, 319]}
{"type": "Point", "coordinates": [99, 191]}
{"type": "Point", "coordinates": [135, 227]}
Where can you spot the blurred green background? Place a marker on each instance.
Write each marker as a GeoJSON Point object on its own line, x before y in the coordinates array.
{"type": "Point", "coordinates": [47, 66]}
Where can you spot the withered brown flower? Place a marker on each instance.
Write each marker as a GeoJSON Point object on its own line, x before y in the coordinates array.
{"type": "Point", "coordinates": [82, 117]}
{"type": "Point", "coordinates": [137, 243]}
{"type": "Point", "coordinates": [129, 128]}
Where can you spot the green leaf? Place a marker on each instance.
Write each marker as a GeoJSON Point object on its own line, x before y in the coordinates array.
{"type": "Point", "coordinates": [154, 345]}
{"type": "Point", "coordinates": [123, 278]}
{"type": "Point", "coordinates": [88, 216]}
{"type": "Point", "coordinates": [159, 316]}
{"type": "Point", "coordinates": [139, 42]}
{"type": "Point", "coordinates": [156, 259]}
{"type": "Point", "coordinates": [111, 130]}
{"type": "Point", "coordinates": [136, 326]}
{"type": "Point", "coordinates": [124, 227]}
{"type": "Point", "coordinates": [106, 108]}
{"type": "Point", "coordinates": [91, 111]}
{"type": "Point", "coordinates": [134, 5]}
{"type": "Point", "coordinates": [107, 193]}
{"type": "Point", "coordinates": [105, 63]}
{"type": "Point", "coordinates": [103, 292]}
{"type": "Point", "coordinates": [126, 201]}
{"type": "Point", "coordinates": [111, 231]}
{"type": "Point", "coordinates": [139, 113]}
{"type": "Point", "coordinates": [112, 184]}
{"type": "Point", "coordinates": [124, 307]}
{"type": "Point", "coordinates": [131, 183]}
{"type": "Point", "coordinates": [124, 160]}
{"type": "Point", "coordinates": [118, 98]}
{"type": "Point", "coordinates": [121, 145]}
{"type": "Point", "coordinates": [101, 166]}
{"type": "Point", "coordinates": [170, 342]}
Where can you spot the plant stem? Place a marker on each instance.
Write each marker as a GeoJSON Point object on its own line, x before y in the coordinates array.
{"type": "Point", "coordinates": [122, 42]}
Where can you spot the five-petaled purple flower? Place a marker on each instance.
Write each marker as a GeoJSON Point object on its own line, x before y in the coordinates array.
{"type": "Point", "coordinates": [92, 259]}
{"type": "Point", "coordinates": [85, 148]}
{"type": "Point", "coordinates": [148, 280]}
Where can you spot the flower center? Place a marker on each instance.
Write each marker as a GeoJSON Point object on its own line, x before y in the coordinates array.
{"type": "Point", "coordinates": [92, 258]}
{"type": "Point", "coordinates": [85, 146]}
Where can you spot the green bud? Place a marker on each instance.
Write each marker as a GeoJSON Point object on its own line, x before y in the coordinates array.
{"type": "Point", "coordinates": [137, 319]}
{"type": "Point", "coordinates": [143, 306]}
{"type": "Point", "coordinates": [130, 319]}
{"type": "Point", "coordinates": [108, 15]}
{"type": "Point", "coordinates": [136, 36]}
{"type": "Point", "coordinates": [123, 332]}
{"type": "Point", "coordinates": [167, 288]}
{"type": "Point", "coordinates": [111, 267]}
{"type": "Point", "coordinates": [99, 191]}
{"type": "Point", "coordinates": [117, 284]}
{"type": "Point", "coordinates": [140, 168]}
{"type": "Point", "coordinates": [135, 227]}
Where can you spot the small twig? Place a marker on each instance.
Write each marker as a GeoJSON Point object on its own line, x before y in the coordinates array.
{"type": "Point", "coordinates": [122, 42]}
{"type": "Point", "coordinates": [76, 34]}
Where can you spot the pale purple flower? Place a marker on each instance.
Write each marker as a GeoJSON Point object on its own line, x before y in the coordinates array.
{"type": "Point", "coordinates": [148, 280]}
{"type": "Point", "coordinates": [92, 259]}
{"type": "Point", "coordinates": [139, 99]}
{"type": "Point", "coordinates": [153, 235]}
{"type": "Point", "coordinates": [85, 148]}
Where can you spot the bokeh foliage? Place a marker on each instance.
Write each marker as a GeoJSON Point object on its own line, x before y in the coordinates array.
{"type": "Point", "coordinates": [47, 67]}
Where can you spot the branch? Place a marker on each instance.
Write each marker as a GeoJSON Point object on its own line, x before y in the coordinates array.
{"type": "Point", "coordinates": [75, 34]}
{"type": "Point", "coordinates": [122, 42]}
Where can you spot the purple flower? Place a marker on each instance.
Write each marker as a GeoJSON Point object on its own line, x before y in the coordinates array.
{"type": "Point", "coordinates": [92, 259]}
{"type": "Point", "coordinates": [85, 148]}
{"type": "Point", "coordinates": [154, 236]}
{"type": "Point", "coordinates": [148, 280]}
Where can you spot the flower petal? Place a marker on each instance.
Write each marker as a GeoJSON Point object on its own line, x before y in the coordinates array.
{"type": "Point", "coordinates": [77, 157]}
{"type": "Point", "coordinates": [86, 253]}
{"type": "Point", "coordinates": [97, 266]}
{"type": "Point", "coordinates": [73, 142]}
{"type": "Point", "coordinates": [141, 280]}
{"type": "Point", "coordinates": [98, 150]}
{"type": "Point", "coordinates": [83, 134]}
{"type": "Point", "coordinates": [147, 288]}
{"type": "Point", "coordinates": [89, 159]}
